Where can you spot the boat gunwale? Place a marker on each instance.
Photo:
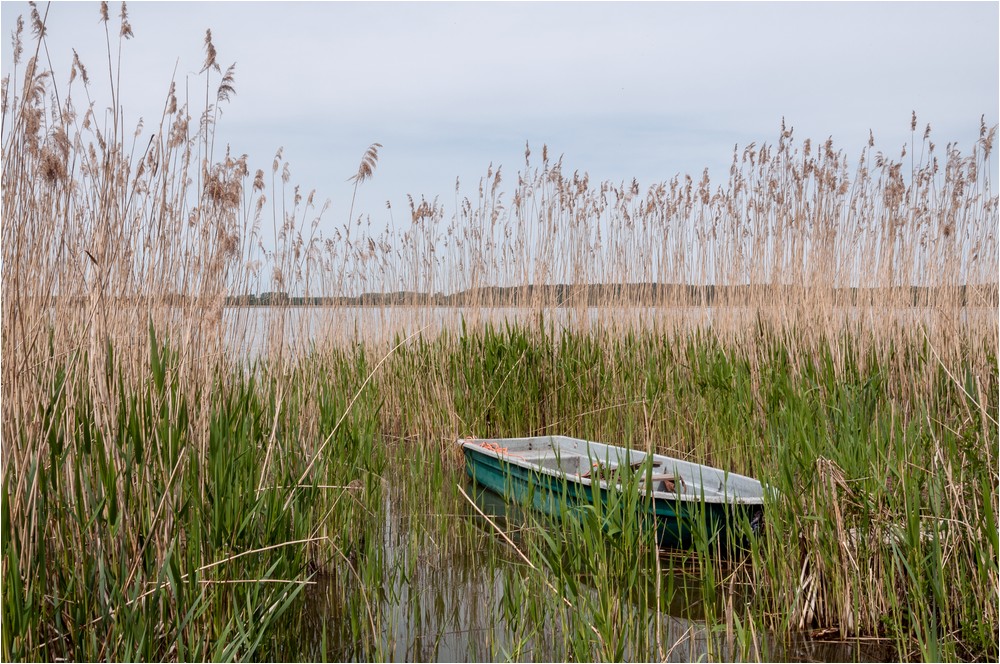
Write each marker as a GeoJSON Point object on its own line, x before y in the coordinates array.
{"type": "Point", "coordinates": [720, 498]}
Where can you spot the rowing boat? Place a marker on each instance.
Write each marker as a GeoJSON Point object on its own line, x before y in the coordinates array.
{"type": "Point", "coordinates": [556, 473]}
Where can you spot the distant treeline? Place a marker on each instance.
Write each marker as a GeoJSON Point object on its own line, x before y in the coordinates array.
{"type": "Point", "coordinates": [642, 294]}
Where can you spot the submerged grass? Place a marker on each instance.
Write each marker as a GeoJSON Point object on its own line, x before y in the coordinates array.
{"type": "Point", "coordinates": [175, 478]}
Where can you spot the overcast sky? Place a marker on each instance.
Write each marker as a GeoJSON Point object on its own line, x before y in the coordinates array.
{"type": "Point", "coordinates": [623, 90]}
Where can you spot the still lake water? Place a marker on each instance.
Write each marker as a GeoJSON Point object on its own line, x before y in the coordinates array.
{"type": "Point", "coordinates": [251, 330]}
{"type": "Point", "coordinates": [442, 588]}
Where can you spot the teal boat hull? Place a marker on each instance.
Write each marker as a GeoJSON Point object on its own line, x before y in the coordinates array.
{"type": "Point", "coordinates": [678, 520]}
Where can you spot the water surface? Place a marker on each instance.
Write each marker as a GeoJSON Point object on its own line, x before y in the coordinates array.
{"type": "Point", "coordinates": [448, 587]}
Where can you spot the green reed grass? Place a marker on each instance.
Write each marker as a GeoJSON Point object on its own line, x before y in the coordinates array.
{"type": "Point", "coordinates": [136, 547]}
{"type": "Point", "coordinates": [885, 525]}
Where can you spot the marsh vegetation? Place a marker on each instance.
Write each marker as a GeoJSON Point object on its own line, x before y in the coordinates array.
{"type": "Point", "coordinates": [168, 494]}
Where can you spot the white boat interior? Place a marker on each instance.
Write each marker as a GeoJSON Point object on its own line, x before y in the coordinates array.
{"type": "Point", "coordinates": [583, 461]}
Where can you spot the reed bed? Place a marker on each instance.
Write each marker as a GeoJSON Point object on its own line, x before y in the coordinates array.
{"type": "Point", "coordinates": [824, 323]}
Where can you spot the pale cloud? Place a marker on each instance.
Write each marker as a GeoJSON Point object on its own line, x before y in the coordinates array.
{"type": "Point", "coordinates": [645, 90]}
